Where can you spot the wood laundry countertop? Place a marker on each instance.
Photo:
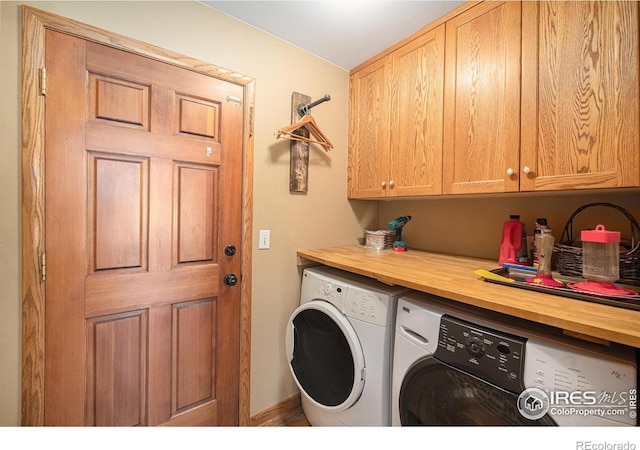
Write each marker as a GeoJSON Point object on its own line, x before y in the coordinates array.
{"type": "Point", "coordinates": [453, 277]}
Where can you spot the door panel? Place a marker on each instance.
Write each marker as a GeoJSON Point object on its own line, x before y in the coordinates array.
{"type": "Point", "coordinates": [194, 348]}
{"type": "Point", "coordinates": [117, 100]}
{"type": "Point", "coordinates": [116, 359]}
{"type": "Point", "coordinates": [195, 225]}
{"type": "Point", "coordinates": [143, 151]}
{"type": "Point", "coordinates": [197, 117]}
{"type": "Point", "coordinates": [118, 212]}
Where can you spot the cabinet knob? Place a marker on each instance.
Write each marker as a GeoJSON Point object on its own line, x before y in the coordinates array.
{"type": "Point", "coordinates": [383, 184]}
{"type": "Point", "coordinates": [391, 183]}
{"type": "Point", "coordinates": [509, 171]}
{"type": "Point", "coordinates": [526, 169]}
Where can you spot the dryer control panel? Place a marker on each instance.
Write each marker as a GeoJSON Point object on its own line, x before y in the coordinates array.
{"type": "Point", "coordinates": [488, 354]}
{"type": "Point", "coordinates": [368, 306]}
{"type": "Point", "coordinates": [317, 286]}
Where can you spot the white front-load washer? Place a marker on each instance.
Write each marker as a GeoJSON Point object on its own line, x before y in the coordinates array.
{"type": "Point", "coordinates": [459, 365]}
{"type": "Point", "coordinates": [339, 344]}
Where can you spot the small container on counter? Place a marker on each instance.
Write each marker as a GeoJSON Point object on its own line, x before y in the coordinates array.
{"type": "Point", "coordinates": [540, 229]}
{"type": "Point", "coordinates": [380, 239]}
{"type": "Point", "coordinates": [601, 263]}
{"type": "Point", "coordinates": [600, 255]}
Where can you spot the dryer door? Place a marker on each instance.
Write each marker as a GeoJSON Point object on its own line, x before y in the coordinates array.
{"type": "Point", "coordinates": [325, 356]}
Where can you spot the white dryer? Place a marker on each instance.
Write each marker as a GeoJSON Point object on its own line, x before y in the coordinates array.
{"type": "Point", "coordinates": [459, 365]}
{"type": "Point", "coordinates": [339, 344]}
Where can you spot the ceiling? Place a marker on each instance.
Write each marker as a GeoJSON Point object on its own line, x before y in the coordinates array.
{"type": "Point", "coordinates": [343, 32]}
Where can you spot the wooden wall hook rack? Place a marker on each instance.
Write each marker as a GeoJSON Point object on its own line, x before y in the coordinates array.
{"type": "Point", "coordinates": [303, 131]}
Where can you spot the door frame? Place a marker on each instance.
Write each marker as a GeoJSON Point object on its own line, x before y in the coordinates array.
{"type": "Point", "coordinates": [35, 22]}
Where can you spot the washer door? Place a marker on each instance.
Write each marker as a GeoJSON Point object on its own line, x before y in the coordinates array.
{"type": "Point", "coordinates": [325, 356]}
{"type": "Point", "coordinates": [434, 393]}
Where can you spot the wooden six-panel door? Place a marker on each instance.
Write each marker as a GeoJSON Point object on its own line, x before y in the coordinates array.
{"type": "Point", "coordinates": [143, 195]}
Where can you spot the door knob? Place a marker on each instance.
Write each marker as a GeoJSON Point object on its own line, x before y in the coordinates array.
{"type": "Point", "coordinates": [230, 279]}
{"type": "Point", "coordinates": [230, 250]}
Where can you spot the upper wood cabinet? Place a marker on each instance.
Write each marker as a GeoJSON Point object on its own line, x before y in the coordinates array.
{"type": "Point", "coordinates": [369, 124]}
{"type": "Point", "coordinates": [482, 100]}
{"type": "Point", "coordinates": [417, 118]}
{"type": "Point", "coordinates": [502, 96]}
{"type": "Point", "coordinates": [580, 94]}
{"type": "Point", "coordinates": [396, 127]}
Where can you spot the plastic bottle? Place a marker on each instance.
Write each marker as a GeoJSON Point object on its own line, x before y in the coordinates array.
{"type": "Point", "coordinates": [513, 249]}
{"type": "Point", "coordinates": [522, 256]}
{"type": "Point", "coordinates": [541, 228]}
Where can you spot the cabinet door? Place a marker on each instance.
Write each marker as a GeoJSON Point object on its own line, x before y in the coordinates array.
{"type": "Point", "coordinates": [368, 165]}
{"type": "Point", "coordinates": [482, 99]}
{"type": "Point", "coordinates": [417, 116]}
{"type": "Point", "coordinates": [580, 95]}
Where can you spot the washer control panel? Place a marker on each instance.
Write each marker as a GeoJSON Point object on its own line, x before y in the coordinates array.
{"type": "Point", "coordinates": [488, 354]}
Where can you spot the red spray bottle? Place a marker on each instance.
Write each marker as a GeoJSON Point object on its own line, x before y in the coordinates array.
{"type": "Point", "coordinates": [513, 249]}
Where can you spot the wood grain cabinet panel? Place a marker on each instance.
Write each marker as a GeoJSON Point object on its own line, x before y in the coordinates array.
{"type": "Point", "coordinates": [417, 116]}
{"type": "Point", "coordinates": [395, 146]}
{"type": "Point", "coordinates": [482, 100]}
{"type": "Point", "coordinates": [369, 115]}
{"type": "Point", "coordinates": [580, 93]}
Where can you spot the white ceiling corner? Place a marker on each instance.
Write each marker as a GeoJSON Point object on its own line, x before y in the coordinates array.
{"type": "Point", "coordinates": [343, 32]}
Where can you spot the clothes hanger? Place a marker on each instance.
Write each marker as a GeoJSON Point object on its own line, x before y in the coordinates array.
{"type": "Point", "coordinates": [309, 123]}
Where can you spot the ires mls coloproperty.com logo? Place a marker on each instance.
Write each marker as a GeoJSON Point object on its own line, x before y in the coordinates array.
{"type": "Point", "coordinates": [534, 403]}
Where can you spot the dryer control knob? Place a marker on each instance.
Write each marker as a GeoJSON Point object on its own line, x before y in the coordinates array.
{"type": "Point", "coordinates": [475, 347]}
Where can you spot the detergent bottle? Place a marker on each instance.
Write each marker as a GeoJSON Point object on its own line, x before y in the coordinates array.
{"type": "Point", "coordinates": [513, 249]}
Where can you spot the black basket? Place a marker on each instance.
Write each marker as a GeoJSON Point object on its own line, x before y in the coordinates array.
{"type": "Point", "coordinates": [569, 262]}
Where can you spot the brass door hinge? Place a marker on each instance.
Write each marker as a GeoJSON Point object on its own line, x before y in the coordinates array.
{"type": "Point", "coordinates": [43, 266]}
{"type": "Point", "coordinates": [43, 81]}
